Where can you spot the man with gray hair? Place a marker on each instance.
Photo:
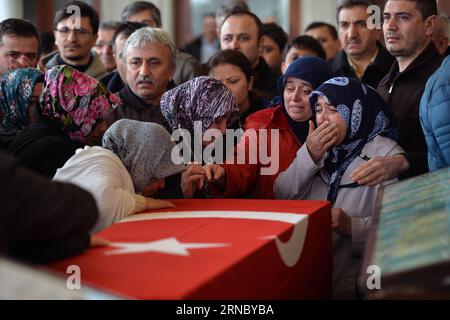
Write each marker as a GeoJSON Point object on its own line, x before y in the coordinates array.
{"type": "Point", "coordinates": [150, 59]}
{"type": "Point", "coordinates": [441, 35]}
{"type": "Point", "coordinates": [147, 13]}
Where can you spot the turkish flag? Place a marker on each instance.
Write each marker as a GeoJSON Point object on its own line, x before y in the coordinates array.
{"type": "Point", "coordinates": [216, 249]}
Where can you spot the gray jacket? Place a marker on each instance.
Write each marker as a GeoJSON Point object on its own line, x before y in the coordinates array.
{"type": "Point", "coordinates": [305, 180]}
{"type": "Point", "coordinates": [187, 68]}
{"type": "Point", "coordinates": [96, 70]}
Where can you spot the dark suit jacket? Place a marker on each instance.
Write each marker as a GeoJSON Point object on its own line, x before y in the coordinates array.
{"type": "Point", "coordinates": [374, 73]}
{"type": "Point", "coordinates": [40, 220]}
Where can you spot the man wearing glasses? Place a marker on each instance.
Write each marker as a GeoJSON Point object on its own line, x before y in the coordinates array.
{"type": "Point", "coordinates": [75, 38]}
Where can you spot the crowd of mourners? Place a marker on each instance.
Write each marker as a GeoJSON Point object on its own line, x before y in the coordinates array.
{"type": "Point", "coordinates": [87, 124]}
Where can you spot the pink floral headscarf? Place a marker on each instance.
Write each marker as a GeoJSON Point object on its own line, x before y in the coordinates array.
{"type": "Point", "coordinates": [75, 102]}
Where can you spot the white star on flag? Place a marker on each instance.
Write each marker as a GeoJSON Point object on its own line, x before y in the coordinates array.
{"type": "Point", "coordinates": [167, 246]}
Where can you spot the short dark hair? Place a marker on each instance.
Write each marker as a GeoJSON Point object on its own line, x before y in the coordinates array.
{"type": "Point", "coordinates": [127, 28]}
{"type": "Point", "coordinates": [225, 9]}
{"type": "Point", "coordinates": [427, 8]}
{"type": "Point", "coordinates": [139, 6]}
{"type": "Point", "coordinates": [239, 13]}
{"type": "Point", "coordinates": [276, 33]}
{"type": "Point", "coordinates": [317, 25]}
{"type": "Point", "coordinates": [85, 11]}
{"type": "Point", "coordinates": [18, 28]}
{"type": "Point", "coordinates": [47, 43]}
{"type": "Point", "coordinates": [306, 42]}
{"type": "Point", "coordinates": [347, 4]}
{"type": "Point", "coordinates": [110, 25]}
{"type": "Point", "coordinates": [235, 58]}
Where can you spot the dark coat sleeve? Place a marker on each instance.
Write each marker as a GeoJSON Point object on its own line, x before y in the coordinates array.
{"type": "Point", "coordinates": [42, 220]}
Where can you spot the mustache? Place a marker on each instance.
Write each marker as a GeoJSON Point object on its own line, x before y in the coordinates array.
{"type": "Point", "coordinates": [72, 46]}
{"type": "Point", "coordinates": [391, 34]}
{"type": "Point", "coordinates": [146, 79]}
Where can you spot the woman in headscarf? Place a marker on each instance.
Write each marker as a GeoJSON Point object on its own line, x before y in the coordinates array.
{"type": "Point", "coordinates": [133, 163]}
{"type": "Point", "coordinates": [19, 93]}
{"type": "Point", "coordinates": [354, 125]}
{"type": "Point", "coordinates": [287, 123]}
{"type": "Point", "coordinates": [198, 105]}
{"type": "Point", "coordinates": [193, 110]}
{"type": "Point", "coordinates": [71, 114]}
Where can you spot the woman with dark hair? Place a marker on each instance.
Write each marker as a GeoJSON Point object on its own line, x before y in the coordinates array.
{"type": "Point", "coordinates": [234, 70]}
{"type": "Point", "coordinates": [71, 115]}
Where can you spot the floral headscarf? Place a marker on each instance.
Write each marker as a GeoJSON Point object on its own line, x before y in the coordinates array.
{"type": "Point", "coordinates": [75, 102]}
{"type": "Point", "coordinates": [16, 89]}
{"type": "Point", "coordinates": [365, 114]}
{"type": "Point", "coordinates": [144, 148]}
{"type": "Point", "coordinates": [201, 99]}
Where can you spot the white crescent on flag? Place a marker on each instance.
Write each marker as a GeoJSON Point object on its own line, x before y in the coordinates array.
{"type": "Point", "coordinates": [290, 251]}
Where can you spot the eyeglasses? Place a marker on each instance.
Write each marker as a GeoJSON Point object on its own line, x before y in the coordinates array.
{"type": "Point", "coordinates": [78, 31]}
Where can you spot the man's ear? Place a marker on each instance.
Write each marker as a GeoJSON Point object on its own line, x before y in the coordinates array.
{"type": "Point", "coordinates": [172, 72]}
{"type": "Point", "coordinates": [430, 25]}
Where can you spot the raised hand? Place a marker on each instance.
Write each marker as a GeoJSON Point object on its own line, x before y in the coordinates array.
{"type": "Point", "coordinates": [320, 140]}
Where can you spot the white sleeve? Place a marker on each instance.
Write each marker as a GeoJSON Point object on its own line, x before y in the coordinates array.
{"type": "Point", "coordinates": [115, 203]}
{"type": "Point", "coordinates": [295, 183]}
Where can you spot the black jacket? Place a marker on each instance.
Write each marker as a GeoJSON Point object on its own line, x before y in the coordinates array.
{"type": "Point", "coordinates": [113, 81]}
{"type": "Point", "coordinates": [42, 149]}
{"type": "Point", "coordinates": [265, 79]}
{"type": "Point", "coordinates": [135, 108]}
{"type": "Point", "coordinates": [41, 220]}
{"type": "Point", "coordinates": [403, 92]}
{"type": "Point", "coordinates": [195, 48]}
{"type": "Point", "coordinates": [374, 73]}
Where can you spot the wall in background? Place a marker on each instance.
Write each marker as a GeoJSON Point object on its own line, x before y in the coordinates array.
{"type": "Point", "coordinates": [317, 10]}
{"type": "Point", "coordinates": [111, 10]}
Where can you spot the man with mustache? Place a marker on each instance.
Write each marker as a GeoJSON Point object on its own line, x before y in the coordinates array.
{"type": "Point", "coordinates": [408, 29]}
{"type": "Point", "coordinates": [75, 42]}
{"type": "Point", "coordinates": [149, 56]}
{"type": "Point", "coordinates": [362, 57]}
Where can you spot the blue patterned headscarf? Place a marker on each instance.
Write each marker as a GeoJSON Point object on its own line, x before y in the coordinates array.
{"type": "Point", "coordinates": [201, 99]}
{"type": "Point", "coordinates": [16, 89]}
{"type": "Point", "coordinates": [366, 116]}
